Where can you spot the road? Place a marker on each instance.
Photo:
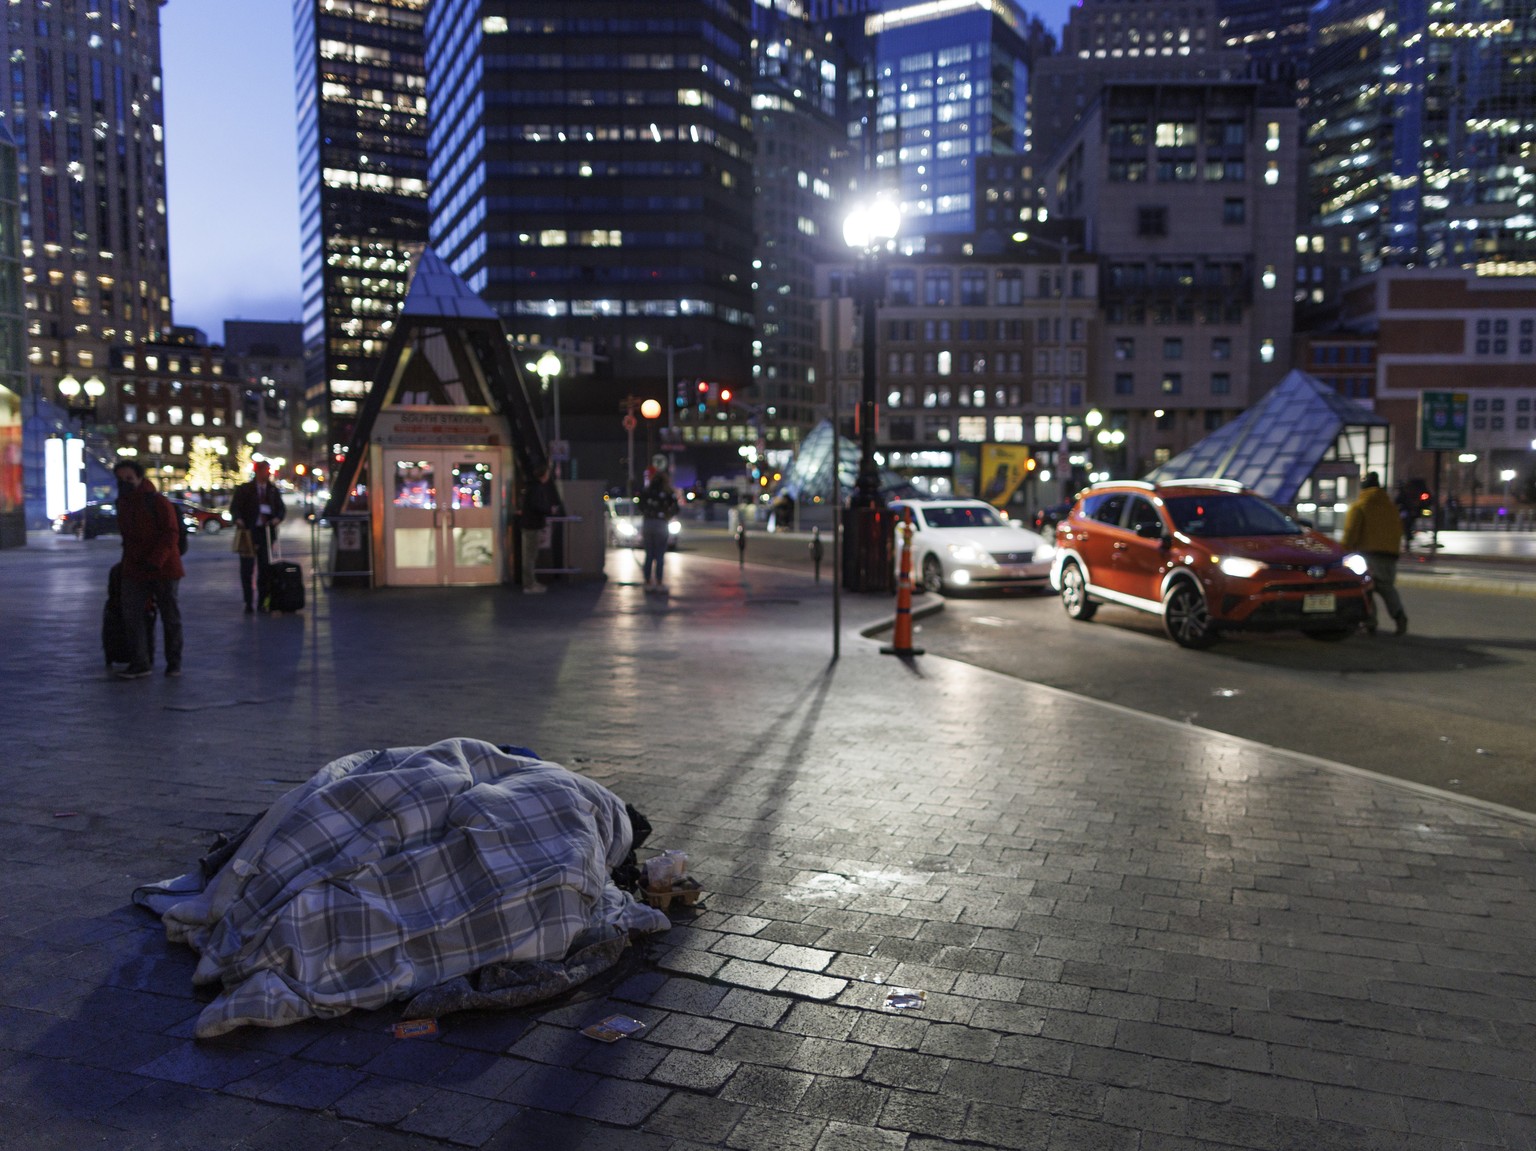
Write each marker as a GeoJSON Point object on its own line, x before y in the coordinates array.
{"type": "Point", "coordinates": [1451, 705]}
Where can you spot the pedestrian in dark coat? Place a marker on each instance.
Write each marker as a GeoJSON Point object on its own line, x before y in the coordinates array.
{"type": "Point", "coordinates": [152, 568]}
{"type": "Point", "coordinates": [257, 506]}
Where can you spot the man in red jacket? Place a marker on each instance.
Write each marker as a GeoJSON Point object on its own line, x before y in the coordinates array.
{"type": "Point", "coordinates": [151, 567]}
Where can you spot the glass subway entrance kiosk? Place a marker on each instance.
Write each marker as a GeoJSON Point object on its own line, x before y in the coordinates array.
{"type": "Point", "coordinates": [439, 501]}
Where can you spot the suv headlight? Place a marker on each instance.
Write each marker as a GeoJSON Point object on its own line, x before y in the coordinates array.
{"type": "Point", "coordinates": [1355, 562]}
{"type": "Point", "coordinates": [674, 527]}
{"type": "Point", "coordinates": [1240, 567]}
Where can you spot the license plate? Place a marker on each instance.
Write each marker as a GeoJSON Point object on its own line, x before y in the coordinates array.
{"type": "Point", "coordinates": [1317, 602]}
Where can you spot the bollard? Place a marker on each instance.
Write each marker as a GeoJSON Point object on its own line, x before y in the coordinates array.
{"type": "Point", "coordinates": [816, 552]}
{"type": "Point", "coordinates": [741, 545]}
{"type": "Point", "coordinates": [901, 634]}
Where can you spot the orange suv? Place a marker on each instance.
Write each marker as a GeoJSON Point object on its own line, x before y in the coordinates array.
{"type": "Point", "coordinates": [1208, 556]}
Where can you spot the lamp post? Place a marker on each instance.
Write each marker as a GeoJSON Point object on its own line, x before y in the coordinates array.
{"type": "Point", "coordinates": [548, 367]}
{"type": "Point", "coordinates": [669, 352]}
{"type": "Point", "coordinates": [868, 230]}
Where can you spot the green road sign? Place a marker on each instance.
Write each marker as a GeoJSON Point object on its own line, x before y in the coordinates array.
{"type": "Point", "coordinates": [1442, 421]}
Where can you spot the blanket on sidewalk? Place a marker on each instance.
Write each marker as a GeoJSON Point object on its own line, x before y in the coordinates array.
{"type": "Point", "coordinates": [390, 873]}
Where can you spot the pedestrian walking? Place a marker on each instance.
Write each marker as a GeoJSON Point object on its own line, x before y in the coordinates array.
{"type": "Point", "coordinates": [1373, 528]}
{"type": "Point", "coordinates": [152, 568]}
{"type": "Point", "coordinates": [540, 501]}
{"type": "Point", "coordinates": [658, 504]}
{"type": "Point", "coordinates": [257, 508]}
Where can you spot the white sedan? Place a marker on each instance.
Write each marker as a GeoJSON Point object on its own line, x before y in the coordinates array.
{"type": "Point", "coordinates": [967, 544]}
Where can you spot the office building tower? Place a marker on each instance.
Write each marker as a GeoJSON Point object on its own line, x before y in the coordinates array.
{"type": "Point", "coordinates": [1123, 40]}
{"type": "Point", "coordinates": [949, 86]}
{"type": "Point", "coordinates": [266, 357]}
{"type": "Point", "coordinates": [362, 126]}
{"type": "Point", "coordinates": [83, 105]}
{"type": "Point", "coordinates": [1271, 33]}
{"type": "Point", "coordinates": [13, 351]}
{"type": "Point", "coordinates": [1189, 191]}
{"type": "Point", "coordinates": [592, 181]}
{"type": "Point", "coordinates": [799, 85]}
{"type": "Point", "coordinates": [1418, 123]}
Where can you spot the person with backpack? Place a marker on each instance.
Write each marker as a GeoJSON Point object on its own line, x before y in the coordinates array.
{"type": "Point", "coordinates": [152, 568]}
{"type": "Point", "coordinates": [658, 504]}
{"type": "Point", "coordinates": [257, 506]}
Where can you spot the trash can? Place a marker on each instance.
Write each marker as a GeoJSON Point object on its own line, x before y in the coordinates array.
{"type": "Point", "coordinates": [352, 550]}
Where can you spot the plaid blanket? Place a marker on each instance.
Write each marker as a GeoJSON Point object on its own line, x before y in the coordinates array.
{"type": "Point", "coordinates": [391, 872]}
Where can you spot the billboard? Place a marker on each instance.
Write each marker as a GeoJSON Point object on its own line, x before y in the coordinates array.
{"type": "Point", "coordinates": [1003, 468]}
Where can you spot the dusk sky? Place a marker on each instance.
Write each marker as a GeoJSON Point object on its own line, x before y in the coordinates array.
{"type": "Point", "coordinates": [231, 158]}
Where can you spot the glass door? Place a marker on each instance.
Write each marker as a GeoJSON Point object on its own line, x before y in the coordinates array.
{"type": "Point", "coordinates": [411, 524]}
{"type": "Point", "coordinates": [442, 508]}
{"type": "Point", "coordinates": [473, 511]}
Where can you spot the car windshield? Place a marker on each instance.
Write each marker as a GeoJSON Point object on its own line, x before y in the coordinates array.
{"type": "Point", "coordinates": [1220, 516]}
{"type": "Point", "coordinates": [961, 517]}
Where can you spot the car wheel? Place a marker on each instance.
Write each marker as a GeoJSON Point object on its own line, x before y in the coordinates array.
{"type": "Point", "coordinates": [933, 574]}
{"type": "Point", "coordinates": [211, 527]}
{"type": "Point", "coordinates": [1185, 617]}
{"type": "Point", "coordinates": [1330, 634]}
{"type": "Point", "coordinates": [1074, 593]}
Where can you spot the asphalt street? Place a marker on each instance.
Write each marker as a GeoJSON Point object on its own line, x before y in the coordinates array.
{"type": "Point", "coordinates": [1130, 931]}
{"type": "Point", "coordinates": [1449, 705]}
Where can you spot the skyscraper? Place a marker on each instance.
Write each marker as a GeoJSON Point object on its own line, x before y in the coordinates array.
{"type": "Point", "coordinates": [951, 93]}
{"type": "Point", "coordinates": [1419, 125]}
{"type": "Point", "coordinates": [1123, 40]}
{"type": "Point", "coordinates": [83, 104]}
{"type": "Point", "coordinates": [798, 114]}
{"type": "Point", "coordinates": [592, 181]}
{"type": "Point", "coordinates": [362, 116]}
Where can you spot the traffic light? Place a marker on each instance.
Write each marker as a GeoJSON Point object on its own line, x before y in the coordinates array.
{"type": "Point", "coordinates": [704, 395]}
{"type": "Point", "coordinates": [683, 388]}
{"type": "Point", "coordinates": [1030, 464]}
{"type": "Point", "coordinates": [725, 397]}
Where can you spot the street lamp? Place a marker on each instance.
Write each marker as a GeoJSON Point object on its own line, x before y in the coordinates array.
{"type": "Point", "coordinates": [80, 399]}
{"type": "Point", "coordinates": [869, 229]}
{"type": "Point", "coordinates": [669, 352]}
{"type": "Point", "coordinates": [548, 368]}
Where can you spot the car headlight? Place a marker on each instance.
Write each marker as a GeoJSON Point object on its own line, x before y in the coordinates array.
{"type": "Point", "coordinates": [624, 528]}
{"type": "Point", "coordinates": [969, 554]}
{"type": "Point", "coordinates": [674, 527]}
{"type": "Point", "coordinates": [1355, 562]}
{"type": "Point", "coordinates": [1239, 567]}
{"type": "Point", "coordinates": [1045, 553]}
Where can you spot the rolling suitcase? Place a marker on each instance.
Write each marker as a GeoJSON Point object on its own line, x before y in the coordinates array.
{"type": "Point", "coordinates": [286, 587]}
{"type": "Point", "coordinates": [114, 637]}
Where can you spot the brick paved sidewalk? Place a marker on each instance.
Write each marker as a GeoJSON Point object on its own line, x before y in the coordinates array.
{"type": "Point", "coordinates": [1132, 934]}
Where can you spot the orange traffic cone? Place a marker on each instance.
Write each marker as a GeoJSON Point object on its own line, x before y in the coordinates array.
{"type": "Point", "coordinates": [901, 634]}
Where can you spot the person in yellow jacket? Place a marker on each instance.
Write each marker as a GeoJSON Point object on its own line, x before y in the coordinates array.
{"type": "Point", "coordinates": [1373, 528]}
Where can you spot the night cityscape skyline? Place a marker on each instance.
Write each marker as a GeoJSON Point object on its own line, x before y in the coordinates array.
{"type": "Point", "coordinates": [215, 173]}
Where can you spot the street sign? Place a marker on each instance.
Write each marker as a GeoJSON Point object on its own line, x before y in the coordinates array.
{"type": "Point", "coordinates": [629, 422]}
{"type": "Point", "coordinates": [1442, 421]}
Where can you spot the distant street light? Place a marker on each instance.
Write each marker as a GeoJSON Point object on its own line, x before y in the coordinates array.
{"type": "Point", "coordinates": [669, 352]}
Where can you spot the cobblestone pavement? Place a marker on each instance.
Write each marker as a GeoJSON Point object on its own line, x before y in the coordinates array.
{"type": "Point", "coordinates": [1132, 934]}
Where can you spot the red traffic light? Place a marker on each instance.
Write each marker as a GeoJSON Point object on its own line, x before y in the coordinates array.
{"type": "Point", "coordinates": [725, 395]}
{"type": "Point", "coordinates": [703, 387]}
